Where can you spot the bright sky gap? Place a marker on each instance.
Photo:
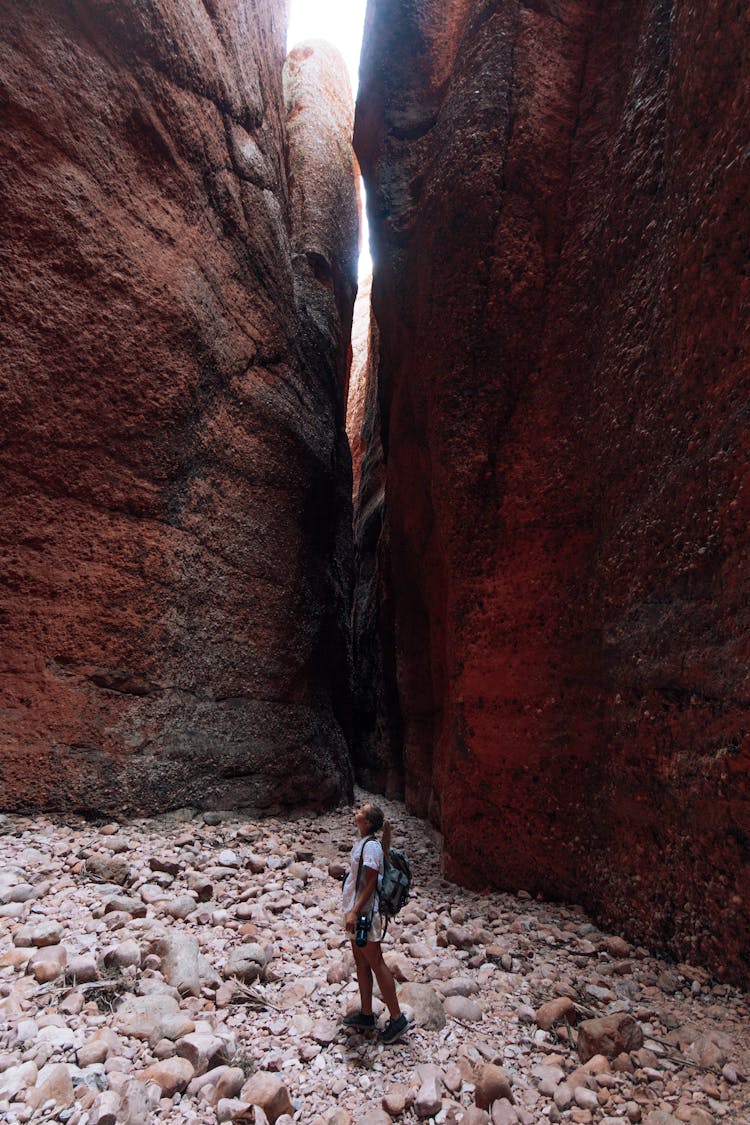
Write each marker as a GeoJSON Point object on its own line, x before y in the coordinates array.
{"type": "Point", "coordinates": [341, 23]}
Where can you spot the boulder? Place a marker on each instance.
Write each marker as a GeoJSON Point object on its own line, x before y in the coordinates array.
{"type": "Point", "coordinates": [609, 1036]}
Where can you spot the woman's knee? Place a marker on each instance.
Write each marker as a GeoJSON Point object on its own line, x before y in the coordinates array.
{"type": "Point", "coordinates": [374, 954]}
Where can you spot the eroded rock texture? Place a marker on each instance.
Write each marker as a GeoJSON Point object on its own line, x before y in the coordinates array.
{"type": "Point", "coordinates": [377, 733]}
{"type": "Point", "coordinates": [175, 550]}
{"type": "Point", "coordinates": [556, 193]}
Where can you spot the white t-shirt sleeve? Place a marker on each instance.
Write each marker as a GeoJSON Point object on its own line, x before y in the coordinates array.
{"type": "Point", "coordinates": [372, 855]}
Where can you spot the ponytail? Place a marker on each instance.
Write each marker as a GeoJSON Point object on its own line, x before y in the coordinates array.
{"type": "Point", "coordinates": [375, 819]}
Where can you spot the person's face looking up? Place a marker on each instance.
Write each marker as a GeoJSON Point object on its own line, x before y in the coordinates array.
{"type": "Point", "coordinates": [362, 820]}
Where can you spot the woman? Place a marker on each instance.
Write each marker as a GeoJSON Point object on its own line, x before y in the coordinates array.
{"type": "Point", "coordinates": [361, 898]}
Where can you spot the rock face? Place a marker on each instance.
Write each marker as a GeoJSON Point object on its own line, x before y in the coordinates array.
{"type": "Point", "coordinates": [175, 522]}
{"type": "Point", "coordinates": [562, 302]}
{"type": "Point", "coordinates": [376, 727]}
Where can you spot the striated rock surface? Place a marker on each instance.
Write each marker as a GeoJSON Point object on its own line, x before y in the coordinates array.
{"type": "Point", "coordinates": [175, 517]}
{"type": "Point", "coordinates": [376, 727]}
{"type": "Point", "coordinates": [562, 297]}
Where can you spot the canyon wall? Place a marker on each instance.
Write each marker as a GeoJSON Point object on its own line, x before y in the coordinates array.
{"type": "Point", "coordinates": [176, 513]}
{"type": "Point", "coordinates": [377, 733]}
{"type": "Point", "coordinates": [557, 195]}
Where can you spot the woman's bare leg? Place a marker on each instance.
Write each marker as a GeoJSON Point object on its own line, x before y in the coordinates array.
{"type": "Point", "coordinates": [364, 977]}
{"type": "Point", "coordinates": [384, 977]}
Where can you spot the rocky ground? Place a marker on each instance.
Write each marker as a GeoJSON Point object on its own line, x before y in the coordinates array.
{"type": "Point", "coordinates": [192, 969]}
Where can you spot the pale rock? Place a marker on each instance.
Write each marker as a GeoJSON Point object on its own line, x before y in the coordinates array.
{"type": "Point", "coordinates": [152, 1017]}
{"type": "Point", "coordinates": [170, 1075]}
{"type": "Point", "coordinates": [14, 958]}
{"type": "Point", "coordinates": [549, 1078]}
{"type": "Point", "coordinates": [231, 1109]}
{"type": "Point", "coordinates": [14, 1079]}
{"type": "Point", "coordinates": [453, 1078]}
{"type": "Point", "coordinates": [124, 905]}
{"type": "Point", "coordinates": [462, 1008]}
{"type": "Point", "coordinates": [23, 937]}
{"type": "Point", "coordinates": [269, 1093]}
{"type": "Point", "coordinates": [475, 1116]}
{"type": "Point", "coordinates": [47, 963]}
{"type": "Point", "coordinates": [246, 962]}
{"type": "Point", "coordinates": [706, 1052]}
{"type": "Point", "coordinates": [426, 1007]}
{"type": "Point", "coordinates": [503, 1113]}
{"type": "Point", "coordinates": [428, 1100]}
{"type": "Point", "coordinates": [107, 1109]}
{"type": "Point", "coordinates": [151, 893]}
{"type": "Point", "coordinates": [26, 1030]}
{"type": "Point", "coordinates": [338, 972]}
{"type": "Point", "coordinates": [400, 967]}
{"type": "Point", "coordinates": [164, 1049]}
{"type": "Point", "coordinates": [46, 933]}
{"type": "Point", "coordinates": [563, 1096]}
{"type": "Point", "coordinates": [93, 1051]}
{"type": "Point", "coordinates": [202, 1051]}
{"type": "Point", "coordinates": [324, 1032]}
{"type": "Point", "coordinates": [459, 986]}
{"type": "Point", "coordinates": [55, 1084]}
{"type": "Point", "coordinates": [492, 1083]}
{"type": "Point", "coordinates": [135, 1104]}
{"type": "Point", "coordinates": [395, 1100]}
{"type": "Point", "coordinates": [12, 910]}
{"type": "Point", "coordinates": [19, 893]}
{"type": "Point", "coordinates": [585, 1099]}
{"type": "Point", "coordinates": [228, 858]}
{"type": "Point", "coordinates": [181, 907]}
{"type": "Point", "coordinates": [72, 1004]}
{"type": "Point", "coordinates": [201, 886]}
{"type": "Point", "coordinates": [340, 1116]}
{"type": "Point", "coordinates": [228, 1081]}
{"type": "Point", "coordinates": [179, 955]}
{"type": "Point", "coordinates": [122, 955]}
{"type": "Point", "coordinates": [373, 1115]}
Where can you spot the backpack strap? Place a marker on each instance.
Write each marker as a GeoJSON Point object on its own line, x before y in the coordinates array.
{"type": "Point", "coordinates": [361, 861]}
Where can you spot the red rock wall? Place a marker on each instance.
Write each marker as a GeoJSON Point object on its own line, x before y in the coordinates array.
{"type": "Point", "coordinates": [176, 543]}
{"type": "Point", "coordinates": [557, 196]}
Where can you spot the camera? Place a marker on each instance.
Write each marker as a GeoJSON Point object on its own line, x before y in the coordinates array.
{"type": "Point", "coordinates": [362, 930]}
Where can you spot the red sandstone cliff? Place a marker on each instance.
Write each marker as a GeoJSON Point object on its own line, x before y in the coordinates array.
{"type": "Point", "coordinates": [377, 733]}
{"type": "Point", "coordinates": [558, 200]}
{"type": "Point", "coordinates": [175, 528]}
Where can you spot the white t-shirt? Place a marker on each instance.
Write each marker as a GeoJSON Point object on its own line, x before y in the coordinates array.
{"type": "Point", "coordinates": [372, 856]}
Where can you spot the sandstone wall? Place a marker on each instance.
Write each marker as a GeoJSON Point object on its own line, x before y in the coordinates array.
{"type": "Point", "coordinates": [556, 195]}
{"type": "Point", "coordinates": [377, 733]}
{"type": "Point", "coordinates": [176, 544]}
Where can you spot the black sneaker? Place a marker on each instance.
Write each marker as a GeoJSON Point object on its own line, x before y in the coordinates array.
{"type": "Point", "coordinates": [360, 1020]}
{"type": "Point", "coordinates": [394, 1029]}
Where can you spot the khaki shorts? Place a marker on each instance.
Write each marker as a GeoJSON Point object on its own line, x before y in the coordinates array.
{"type": "Point", "coordinates": [375, 932]}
